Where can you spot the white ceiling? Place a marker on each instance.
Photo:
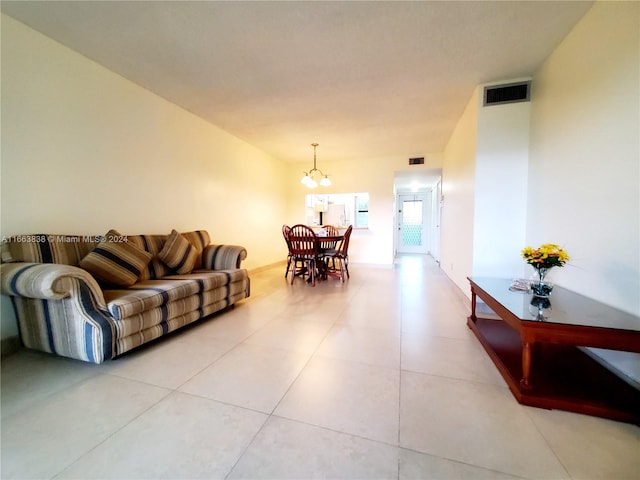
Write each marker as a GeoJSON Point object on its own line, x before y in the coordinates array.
{"type": "Point", "coordinates": [363, 79]}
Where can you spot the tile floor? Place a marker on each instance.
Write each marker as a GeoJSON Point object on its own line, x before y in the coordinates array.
{"type": "Point", "coordinates": [374, 379]}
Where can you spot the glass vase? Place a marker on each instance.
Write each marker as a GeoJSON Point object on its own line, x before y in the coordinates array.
{"type": "Point", "coordinates": [540, 307]}
{"type": "Point", "coordinates": [539, 287]}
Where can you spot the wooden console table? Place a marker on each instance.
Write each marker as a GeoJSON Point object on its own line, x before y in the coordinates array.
{"type": "Point", "coordinates": [540, 359]}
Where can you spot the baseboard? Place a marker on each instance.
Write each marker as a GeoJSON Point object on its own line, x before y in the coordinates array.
{"type": "Point", "coordinates": [280, 263]}
{"type": "Point", "coordinates": [10, 345]}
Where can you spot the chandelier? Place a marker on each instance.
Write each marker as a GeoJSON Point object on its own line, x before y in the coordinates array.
{"type": "Point", "coordinates": [309, 179]}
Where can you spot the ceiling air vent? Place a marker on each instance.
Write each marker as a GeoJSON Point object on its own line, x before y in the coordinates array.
{"type": "Point", "coordinates": [416, 161]}
{"type": "Point", "coordinates": [509, 93]}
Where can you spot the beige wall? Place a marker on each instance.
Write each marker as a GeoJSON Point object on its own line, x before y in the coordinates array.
{"type": "Point", "coordinates": [584, 176]}
{"type": "Point", "coordinates": [458, 191]}
{"type": "Point", "coordinates": [502, 160]}
{"type": "Point", "coordinates": [84, 150]}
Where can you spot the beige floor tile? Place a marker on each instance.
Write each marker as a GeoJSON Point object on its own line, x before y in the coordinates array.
{"type": "Point", "coordinates": [383, 317]}
{"type": "Point", "coordinates": [234, 325]}
{"type": "Point", "coordinates": [28, 377]}
{"type": "Point", "coordinates": [250, 376]}
{"type": "Point", "coordinates": [449, 358]}
{"type": "Point", "coordinates": [378, 297]}
{"type": "Point", "coordinates": [323, 312]}
{"type": "Point", "coordinates": [419, 466]}
{"type": "Point", "coordinates": [182, 437]}
{"type": "Point", "coordinates": [291, 450]}
{"type": "Point", "coordinates": [448, 324]}
{"type": "Point", "coordinates": [272, 301]}
{"type": "Point", "coordinates": [374, 276]}
{"type": "Point", "coordinates": [443, 315]}
{"type": "Point", "coordinates": [49, 436]}
{"type": "Point", "coordinates": [590, 447]}
{"type": "Point", "coordinates": [171, 361]}
{"type": "Point", "coordinates": [364, 345]}
{"type": "Point", "coordinates": [319, 358]}
{"type": "Point", "coordinates": [434, 299]}
{"type": "Point", "coordinates": [436, 310]}
{"type": "Point", "coordinates": [291, 334]}
{"type": "Point", "coordinates": [473, 423]}
{"type": "Point", "coordinates": [347, 397]}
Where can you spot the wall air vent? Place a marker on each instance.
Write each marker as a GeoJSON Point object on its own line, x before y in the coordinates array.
{"type": "Point", "coordinates": [416, 161]}
{"type": "Point", "coordinates": [508, 93]}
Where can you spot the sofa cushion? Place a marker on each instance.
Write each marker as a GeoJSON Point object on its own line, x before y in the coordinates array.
{"type": "Point", "coordinates": [208, 280]}
{"type": "Point", "coordinates": [116, 261]}
{"type": "Point", "coordinates": [178, 253]}
{"type": "Point", "coordinates": [152, 244]}
{"type": "Point", "coordinates": [199, 239]}
{"type": "Point", "coordinates": [147, 295]}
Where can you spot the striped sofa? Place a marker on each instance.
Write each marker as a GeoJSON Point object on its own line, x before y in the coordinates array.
{"type": "Point", "coordinates": [95, 298]}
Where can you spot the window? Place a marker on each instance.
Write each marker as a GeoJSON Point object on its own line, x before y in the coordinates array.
{"type": "Point", "coordinates": [339, 209]}
{"type": "Point", "coordinates": [362, 210]}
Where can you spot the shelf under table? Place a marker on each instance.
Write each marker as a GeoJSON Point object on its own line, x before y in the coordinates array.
{"type": "Point", "coordinates": [564, 377]}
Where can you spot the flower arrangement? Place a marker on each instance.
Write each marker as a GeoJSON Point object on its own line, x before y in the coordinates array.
{"type": "Point", "coordinates": [545, 256]}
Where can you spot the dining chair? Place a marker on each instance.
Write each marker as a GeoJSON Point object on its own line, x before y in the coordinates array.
{"type": "Point", "coordinates": [285, 233]}
{"type": "Point", "coordinates": [328, 245]}
{"type": "Point", "coordinates": [341, 254]}
{"type": "Point", "coordinates": [304, 249]}
{"type": "Point", "coordinates": [331, 230]}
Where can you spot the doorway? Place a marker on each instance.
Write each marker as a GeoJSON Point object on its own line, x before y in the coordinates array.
{"type": "Point", "coordinates": [412, 223]}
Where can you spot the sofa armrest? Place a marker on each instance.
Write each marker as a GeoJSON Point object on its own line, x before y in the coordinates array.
{"type": "Point", "coordinates": [47, 281]}
{"type": "Point", "coordinates": [223, 257]}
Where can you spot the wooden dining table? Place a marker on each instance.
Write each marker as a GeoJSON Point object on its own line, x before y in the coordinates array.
{"type": "Point", "coordinates": [326, 243]}
{"type": "Point", "coordinates": [315, 246]}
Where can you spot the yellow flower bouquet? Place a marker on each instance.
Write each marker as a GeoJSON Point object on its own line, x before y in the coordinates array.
{"type": "Point", "coordinates": [546, 256]}
{"type": "Point", "coordinates": [543, 258]}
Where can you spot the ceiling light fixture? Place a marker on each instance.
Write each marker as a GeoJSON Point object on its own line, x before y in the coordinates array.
{"type": "Point", "coordinates": [309, 177]}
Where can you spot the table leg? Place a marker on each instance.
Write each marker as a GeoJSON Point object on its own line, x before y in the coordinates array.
{"type": "Point", "coordinates": [473, 306]}
{"type": "Point", "coordinates": [322, 269]}
{"type": "Point", "coordinates": [526, 366]}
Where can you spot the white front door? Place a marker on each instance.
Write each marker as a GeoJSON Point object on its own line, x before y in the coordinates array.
{"type": "Point", "coordinates": [412, 214]}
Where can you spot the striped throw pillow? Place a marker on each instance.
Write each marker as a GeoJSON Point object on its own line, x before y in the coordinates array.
{"type": "Point", "coordinates": [178, 254]}
{"type": "Point", "coordinates": [115, 261]}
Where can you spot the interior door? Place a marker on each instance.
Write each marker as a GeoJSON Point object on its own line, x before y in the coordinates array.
{"type": "Point", "coordinates": [411, 218]}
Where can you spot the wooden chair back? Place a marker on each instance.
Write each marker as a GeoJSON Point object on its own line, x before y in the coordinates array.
{"type": "Point", "coordinates": [285, 233]}
{"type": "Point", "coordinates": [331, 230]}
{"type": "Point", "coordinates": [303, 242]}
{"type": "Point", "coordinates": [343, 250]}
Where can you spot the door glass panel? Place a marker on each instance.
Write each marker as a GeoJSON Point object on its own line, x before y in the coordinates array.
{"type": "Point", "coordinates": [412, 223]}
